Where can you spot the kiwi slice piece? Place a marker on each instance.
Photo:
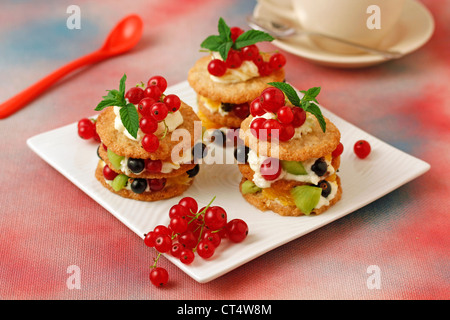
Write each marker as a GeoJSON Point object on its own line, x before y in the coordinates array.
{"type": "Point", "coordinates": [249, 187]}
{"type": "Point", "coordinates": [293, 167]}
{"type": "Point", "coordinates": [119, 182]}
{"type": "Point", "coordinates": [306, 197]}
{"type": "Point", "coordinates": [114, 159]}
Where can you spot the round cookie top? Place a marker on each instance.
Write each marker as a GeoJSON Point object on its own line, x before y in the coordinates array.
{"type": "Point", "coordinates": [315, 144]}
{"type": "Point", "coordinates": [240, 92]}
{"type": "Point", "coordinates": [184, 136]}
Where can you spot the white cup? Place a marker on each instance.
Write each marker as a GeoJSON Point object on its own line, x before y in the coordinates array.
{"type": "Point", "coordinates": [365, 22]}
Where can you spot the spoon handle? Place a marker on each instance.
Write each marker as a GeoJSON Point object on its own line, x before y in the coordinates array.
{"type": "Point", "coordinates": [20, 100]}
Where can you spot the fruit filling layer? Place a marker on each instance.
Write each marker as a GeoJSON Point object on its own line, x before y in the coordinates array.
{"type": "Point", "coordinates": [267, 170]}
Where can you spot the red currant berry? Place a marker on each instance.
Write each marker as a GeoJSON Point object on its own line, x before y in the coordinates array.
{"type": "Point", "coordinates": [258, 61]}
{"type": "Point", "coordinates": [270, 169]}
{"type": "Point", "coordinates": [177, 210]}
{"type": "Point", "coordinates": [265, 69]}
{"type": "Point", "coordinates": [108, 173]}
{"type": "Point", "coordinates": [149, 239]}
{"type": "Point", "coordinates": [217, 67]}
{"type": "Point", "coordinates": [237, 230]}
{"type": "Point", "coordinates": [135, 95]}
{"type": "Point", "coordinates": [215, 217]}
{"type": "Point", "coordinates": [234, 59]}
{"type": "Point", "coordinates": [272, 99]}
{"type": "Point", "coordinates": [362, 149]}
{"type": "Point", "coordinates": [273, 128]}
{"type": "Point", "coordinates": [153, 92]}
{"type": "Point", "coordinates": [157, 184]}
{"type": "Point", "coordinates": [159, 111]}
{"type": "Point", "coordinates": [178, 224]}
{"type": "Point", "coordinates": [87, 131]}
{"type": "Point", "coordinates": [287, 132]}
{"type": "Point", "coordinates": [175, 251]}
{"type": "Point", "coordinates": [96, 137]}
{"type": "Point", "coordinates": [241, 110]}
{"type": "Point", "coordinates": [162, 230]}
{"type": "Point", "coordinates": [163, 243]}
{"type": "Point", "coordinates": [187, 256]}
{"type": "Point", "coordinates": [235, 33]}
{"type": "Point", "coordinates": [148, 125]}
{"type": "Point", "coordinates": [153, 166]}
{"type": "Point", "coordinates": [213, 237]}
{"type": "Point", "coordinates": [256, 108]}
{"type": "Point", "coordinates": [256, 128]}
{"type": "Point", "coordinates": [84, 122]}
{"type": "Point", "coordinates": [285, 115]}
{"type": "Point", "coordinates": [250, 52]}
{"type": "Point", "coordinates": [145, 105]}
{"type": "Point", "coordinates": [338, 151]}
{"type": "Point", "coordinates": [190, 204]}
{"type": "Point", "coordinates": [277, 61]}
{"type": "Point", "coordinates": [150, 142]}
{"type": "Point", "coordinates": [188, 239]}
{"type": "Point", "coordinates": [159, 276]}
{"type": "Point", "coordinates": [172, 102]}
{"type": "Point", "coordinates": [299, 117]}
{"type": "Point", "coordinates": [205, 249]}
{"type": "Point", "coordinates": [158, 81]}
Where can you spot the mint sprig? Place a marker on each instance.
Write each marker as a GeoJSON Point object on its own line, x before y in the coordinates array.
{"type": "Point", "coordinates": [222, 43]}
{"type": "Point", "coordinates": [308, 102]}
{"type": "Point", "coordinates": [128, 113]}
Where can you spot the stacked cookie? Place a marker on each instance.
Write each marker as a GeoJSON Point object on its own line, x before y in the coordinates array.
{"type": "Point", "coordinates": [227, 82]}
{"type": "Point", "coordinates": [150, 164]}
{"type": "Point", "coordinates": [294, 176]}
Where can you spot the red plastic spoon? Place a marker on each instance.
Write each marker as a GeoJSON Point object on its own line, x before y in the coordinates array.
{"type": "Point", "coordinates": [125, 35]}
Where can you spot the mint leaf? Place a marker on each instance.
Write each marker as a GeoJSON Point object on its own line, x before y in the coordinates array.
{"type": "Point", "coordinates": [290, 92]}
{"type": "Point", "coordinates": [251, 37]}
{"type": "Point", "coordinates": [307, 102]}
{"type": "Point", "coordinates": [122, 85]}
{"type": "Point", "coordinates": [130, 119]}
{"type": "Point", "coordinates": [212, 43]}
{"type": "Point", "coordinates": [105, 103]}
{"type": "Point", "coordinates": [224, 30]}
{"type": "Point", "coordinates": [224, 49]}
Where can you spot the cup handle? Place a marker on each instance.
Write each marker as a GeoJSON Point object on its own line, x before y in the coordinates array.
{"type": "Point", "coordinates": [280, 10]}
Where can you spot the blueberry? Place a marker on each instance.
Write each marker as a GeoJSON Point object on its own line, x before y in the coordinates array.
{"type": "Point", "coordinates": [241, 153]}
{"type": "Point", "coordinates": [194, 171]}
{"type": "Point", "coordinates": [319, 167]}
{"type": "Point", "coordinates": [218, 137]}
{"type": "Point", "coordinates": [198, 151]}
{"type": "Point", "coordinates": [136, 165]}
{"type": "Point", "coordinates": [139, 185]}
{"type": "Point", "coordinates": [326, 188]}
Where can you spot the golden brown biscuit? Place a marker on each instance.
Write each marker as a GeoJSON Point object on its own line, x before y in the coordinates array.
{"type": "Point", "coordinates": [240, 92]}
{"type": "Point", "coordinates": [315, 144]}
{"type": "Point", "coordinates": [174, 187]}
{"type": "Point", "coordinates": [264, 203]}
{"type": "Point", "coordinates": [145, 174]}
{"type": "Point", "coordinates": [121, 145]}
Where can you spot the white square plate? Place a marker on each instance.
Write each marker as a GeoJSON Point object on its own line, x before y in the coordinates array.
{"type": "Point", "coordinates": [386, 169]}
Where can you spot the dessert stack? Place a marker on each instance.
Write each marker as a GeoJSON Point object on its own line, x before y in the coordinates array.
{"type": "Point", "coordinates": [291, 154]}
{"type": "Point", "coordinates": [138, 158]}
{"type": "Point", "coordinates": [232, 75]}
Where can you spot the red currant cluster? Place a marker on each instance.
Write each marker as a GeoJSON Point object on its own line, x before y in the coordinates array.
{"type": "Point", "coordinates": [87, 129]}
{"type": "Point", "coordinates": [154, 107]}
{"type": "Point", "coordinates": [235, 58]}
{"type": "Point", "coordinates": [191, 231]}
{"type": "Point", "coordinates": [287, 118]}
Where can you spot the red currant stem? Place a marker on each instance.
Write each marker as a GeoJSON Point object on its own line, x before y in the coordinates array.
{"type": "Point", "coordinates": [140, 85]}
{"type": "Point", "coordinates": [166, 129]}
{"type": "Point", "coordinates": [203, 211]}
{"type": "Point", "coordinates": [156, 260]}
{"type": "Point", "coordinates": [199, 237]}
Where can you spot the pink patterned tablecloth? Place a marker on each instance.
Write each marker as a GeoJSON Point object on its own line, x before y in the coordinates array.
{"type": "Point", "coordinates": [47, 224]}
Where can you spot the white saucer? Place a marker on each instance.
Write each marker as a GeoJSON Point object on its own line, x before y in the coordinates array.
{"type": "Point", "coordinates": [414, 29]}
